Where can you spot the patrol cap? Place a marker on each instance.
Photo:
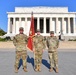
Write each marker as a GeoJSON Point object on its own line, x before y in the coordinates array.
{"type": "Point", "coordinates": [51, 32]}
{"type": "Point", "coordinates": [38, 30]}
{"type": "Point", "coordinates": [21, 28]}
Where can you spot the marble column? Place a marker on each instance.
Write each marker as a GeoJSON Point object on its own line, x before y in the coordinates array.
{"type": "Point", "coordinates": [19, 22]}
{"type": "Point", "coordinates": [14, 26]}
{"type": "Point", "coordinates": [57, 25]}
{"type": "Point", "coordinates": [8, 29]}
{"type": "Point", "coordinates": [51, 24]}
{"type": "Point", "coordinates": [25, 26]}
{"type": "Point", "coordinates": [62, 25]}
{"type": "Point", "coordinates": [69, 25]}
{"type": "Point", "coordinates": [44, 31]}
{"type": "Point", "coordinates": [26, 21]}
{"type": "Point", "coordinates": [38, 26]}
{"type": "Point", "coordinates": [74, 25]}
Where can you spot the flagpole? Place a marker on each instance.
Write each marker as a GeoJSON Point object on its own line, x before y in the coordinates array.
{"type": "Point", "coordinates": [31, 34]}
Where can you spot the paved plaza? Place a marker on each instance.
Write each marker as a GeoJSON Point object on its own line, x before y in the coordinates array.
{"type": "Point", "coordinates": [67, 63]}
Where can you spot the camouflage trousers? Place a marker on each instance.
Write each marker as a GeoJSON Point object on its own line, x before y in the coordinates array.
{"type": "Point", "coordinates": [21, 55]}
{"type": "Point", "coordinates": [53, 57]}
{"type": "Point", "coordinates": [37, 58]}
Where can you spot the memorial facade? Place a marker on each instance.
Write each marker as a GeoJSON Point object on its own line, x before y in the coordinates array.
{"type": "Point", "coordinates": [56, 19]}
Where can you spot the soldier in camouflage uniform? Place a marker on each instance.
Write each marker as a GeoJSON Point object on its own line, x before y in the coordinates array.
{"type": "Point", "coordinates": [52, 44]}
{"type": "Point", "coordinates": [39, 45]}
{"type": "Point", "coordinates": [20, 42]}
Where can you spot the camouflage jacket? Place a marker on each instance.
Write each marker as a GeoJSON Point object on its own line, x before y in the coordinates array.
{"type": "Point", "coordinates": [20, 41]}
{"type": "Point", "coordinates": [52, 43]}
{"type": "Point", "coordinates": [38, 42]}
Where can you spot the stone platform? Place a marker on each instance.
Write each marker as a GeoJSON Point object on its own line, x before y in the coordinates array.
{"type": "Point", "coordinates": [67, 63]}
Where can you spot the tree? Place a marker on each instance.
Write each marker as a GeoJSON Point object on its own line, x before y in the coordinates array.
{"type": "Point", "coordinates": [2, 32]}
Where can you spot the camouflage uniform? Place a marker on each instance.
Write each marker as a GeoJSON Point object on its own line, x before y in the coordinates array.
{"type": "Point", "coordinates": [20, 41]}
{"type": "Point", "coordinates": [39, 45]}
{"type": "Point", "coordinates": [52, 44]}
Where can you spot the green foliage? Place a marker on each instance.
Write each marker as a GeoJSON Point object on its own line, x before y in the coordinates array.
{"type": "Point", "coordinates": [72, 40]}
{"type": "Point", "coordinates": [2, 32]}
{"type": "Point", "coordinates": [2, 39]}
{"type": "Point", "coordinates": [5, 39]}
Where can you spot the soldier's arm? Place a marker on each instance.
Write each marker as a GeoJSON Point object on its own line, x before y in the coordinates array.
{"type": "Point", "coordinates": [47, 44]}
{"type": "Point", "coordinates": [14, 41]}
{"type": "Point", "coordinates": [44, 43]}
{"type": "Point", "coordinates": [57, 42]}
{"type": "Point", "coordinates": [33, 44]}
{"type": "Point", "coordinates": [26, 38]}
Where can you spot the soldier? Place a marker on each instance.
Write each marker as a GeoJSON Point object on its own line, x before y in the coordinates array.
{"type": "Point", "coordinates": [39, 45]}
{"type": "Point", "coordinates": [52, 44]}
{"type": "Point", "coordinates": [20, 42]}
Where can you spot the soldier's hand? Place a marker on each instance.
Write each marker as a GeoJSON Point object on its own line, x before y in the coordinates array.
{"type": "Point", "coordinates": [42, 51]}
{"type": "Point", "coordinates": [33, 50]}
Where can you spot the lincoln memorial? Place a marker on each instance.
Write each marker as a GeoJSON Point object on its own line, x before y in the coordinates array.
{"type": "Point", "coordinates": [56, 19]}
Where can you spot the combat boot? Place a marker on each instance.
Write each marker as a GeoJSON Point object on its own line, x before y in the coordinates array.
{"type": "Point", "coordinates": [39, 68]}
{"type": "Point", "coordinates": [25, 69]}
{"type": "Point", "coordinates": [16, 70]}
{"type": "Point", "coordinates": [56, 70]}
{"type": "Point", "coordinates": [36, 68]}
{"type": "Point", "coordinates": [51, 69]}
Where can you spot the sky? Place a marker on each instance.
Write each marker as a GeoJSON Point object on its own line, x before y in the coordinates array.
{"type": "Point", "coordinates": [9, 6]}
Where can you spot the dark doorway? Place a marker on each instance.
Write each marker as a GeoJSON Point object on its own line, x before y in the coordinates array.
{"type": "Point", "coordinates": [47, 25]}
{"type": "Point", "coordinates": [41, 25]}
{"type": "Point", "coordinates": [35, 24]}
{"type": "Point", "coordinates": [71, 25]}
